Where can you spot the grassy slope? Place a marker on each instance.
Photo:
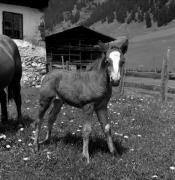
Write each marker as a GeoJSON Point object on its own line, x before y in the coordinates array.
{"type": "Point", "coordinates": [147, 46]}
{"type": "Point", "coordinates": [148, 53]}
{"type": "Point", "coordinates": [143, 132]}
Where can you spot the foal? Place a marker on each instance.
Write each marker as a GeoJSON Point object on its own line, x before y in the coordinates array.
{"type": "Point", "coordinates": [89, 90]}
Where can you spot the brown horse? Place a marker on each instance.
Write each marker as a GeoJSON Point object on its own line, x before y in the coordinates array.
{"type": "Point", "coordinates": [89, 90]}
{"type": "Point", "coordinates": [10, 76]}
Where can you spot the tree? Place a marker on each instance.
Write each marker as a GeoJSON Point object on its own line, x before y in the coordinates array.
{"type": "Point", "coordinates": [75, 18]}
{"type": "Point", "coordinates": [162, 16]}
{"type": "Point", "coordinates": [133, 16]}
{"type": "Point", "coordinates": [170, 12]}
{"type": "Point", "coordinates": [148, 20]}
{"type": "Point", "coordinates": [140, 16]}
{"type": "Point", "coordinates": [110, 17]}
{"type": "Point", "coordinates": [54, 12]}
{"type": "Point", "coordinates": [121, 14]}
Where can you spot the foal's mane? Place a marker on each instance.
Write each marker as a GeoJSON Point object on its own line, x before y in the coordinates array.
{"type": "Point", "coordinates": [98, 64]}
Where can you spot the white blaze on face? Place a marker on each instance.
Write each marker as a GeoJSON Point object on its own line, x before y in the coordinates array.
{"type": "Point", "coordinates": [107, 127]}
{"type": "Point", "coordinates": [115, 57]}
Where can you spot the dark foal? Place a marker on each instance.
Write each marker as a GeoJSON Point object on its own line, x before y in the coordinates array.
{"type": "Point", "coordinates": [10, 76]}
{"type": "Point", "coordinates": [89, 90]}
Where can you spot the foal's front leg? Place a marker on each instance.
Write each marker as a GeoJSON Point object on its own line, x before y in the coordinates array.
{"type": "Point", "coordinates": [104, 122]}
{"type": "Point", "coordinates": [57, 104]}
{"type": "Point", "coordinates": [88, 111]}
{"type": "Point", "coordinates": [44, 105]}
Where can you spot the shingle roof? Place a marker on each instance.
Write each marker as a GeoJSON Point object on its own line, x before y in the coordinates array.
{"type": "Point", "coordinates": [79, 33]}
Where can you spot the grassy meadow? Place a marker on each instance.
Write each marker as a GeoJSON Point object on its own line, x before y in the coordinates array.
{"type": "Point", "coordinates": [143, 131]}
{"type": "Point", "coordinates": [147, 55]}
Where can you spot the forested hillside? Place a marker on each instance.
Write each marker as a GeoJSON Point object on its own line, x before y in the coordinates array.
{"type": "Point", "coordinates": [160, 11]}
{"type": "Point", "coordinates": [122, 11]}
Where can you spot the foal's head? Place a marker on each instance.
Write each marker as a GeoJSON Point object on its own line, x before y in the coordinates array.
{"type": "Point", "coordinates": [115, 60]}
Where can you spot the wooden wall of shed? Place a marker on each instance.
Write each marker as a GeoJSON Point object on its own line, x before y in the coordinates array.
{"type": "Point", "coordinates": [78, 55]}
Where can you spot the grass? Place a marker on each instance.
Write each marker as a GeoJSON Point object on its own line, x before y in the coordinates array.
{"type": "Point", "coordinates": [143, 131]}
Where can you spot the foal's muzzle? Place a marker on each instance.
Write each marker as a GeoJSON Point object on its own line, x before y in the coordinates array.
{"type": "Point", "coordinates": [115, 83]}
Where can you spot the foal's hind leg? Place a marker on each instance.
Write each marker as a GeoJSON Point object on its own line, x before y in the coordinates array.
{"type": "Point", "coordinates": [44, 105]}
{"type": "Point", "coordinates": [3, 100]}
{"type": "Point", "coordinates": [57, 104]}
{"type": "Point", "coordinates": [104, 122]}
{"type": "Point", "coordinates": [88, 111]}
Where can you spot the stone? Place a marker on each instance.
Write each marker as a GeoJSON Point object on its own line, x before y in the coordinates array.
{"type": "Point", "coordinates": [33, 63]}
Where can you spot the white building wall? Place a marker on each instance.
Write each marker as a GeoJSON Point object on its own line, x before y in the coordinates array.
{"type": "Point", "coordinates": [31, 20]}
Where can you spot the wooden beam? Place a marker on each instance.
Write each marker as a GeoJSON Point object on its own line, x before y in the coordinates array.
{"type": "Point", "coordinates": [165, 76]}
{"type": "Point", "coordinates": [80, 54]}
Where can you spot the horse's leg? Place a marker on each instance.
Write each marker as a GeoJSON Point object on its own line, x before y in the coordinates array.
{"type": "Point", "coordinates": [57, 104]}
{"type": "Point", "coordinates": [44, 105]}
{"type": "Point", "coordinates": [88, 111]}
{"type": "Point", "coordinates": [17, 99]}
{"type": "Point", "coordinates": [104, 122]}
{"type": "Point", "coordinates": [3, 100]}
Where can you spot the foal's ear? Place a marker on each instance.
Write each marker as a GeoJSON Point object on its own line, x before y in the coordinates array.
{"type": "Point", "coordinates": [124, 46]}
{"type": "Point", "coordinates": [102, 45]}
{"type": "Point", "coordinates": [122, 43]}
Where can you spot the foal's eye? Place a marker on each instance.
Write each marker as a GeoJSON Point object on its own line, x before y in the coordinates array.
{"type": "Point", "coordinates": [122, 63]}
{"type": "Point", "coordinates": [107, 62]}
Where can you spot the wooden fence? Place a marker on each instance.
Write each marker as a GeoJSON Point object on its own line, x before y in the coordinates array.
{"type": "Point", "coordinates": [165, 76]}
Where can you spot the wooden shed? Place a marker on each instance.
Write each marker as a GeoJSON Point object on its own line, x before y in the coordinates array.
{"type": "Point", "coordinates": [74, 48]}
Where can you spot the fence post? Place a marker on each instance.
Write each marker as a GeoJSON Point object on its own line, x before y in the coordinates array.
{"type": "Point", "coordinates": [67, 65]}
{"type": "Point", "coordinates": [165, 76]}
{"type": "Point", "coordinates": [121, 87]}
{"type": "Point", "coordinates": [49, 63]}
{"type": "Point", "coordinates": [62, 58]}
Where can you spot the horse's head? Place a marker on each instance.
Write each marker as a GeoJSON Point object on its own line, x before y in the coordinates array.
{"type": "Point", "coordinates": [115, 60]}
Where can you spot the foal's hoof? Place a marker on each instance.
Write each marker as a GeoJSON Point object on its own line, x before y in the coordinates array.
{"type": "Point", "coordinates": [85, 159]}
{"type": "Point", "coordinates": [114, 153]}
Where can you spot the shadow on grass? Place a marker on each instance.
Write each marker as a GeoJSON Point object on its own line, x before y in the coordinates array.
{"type": "Point", "coordinates": [12, 125]}
{"type": "Point", "coordinates": [96, 144]}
